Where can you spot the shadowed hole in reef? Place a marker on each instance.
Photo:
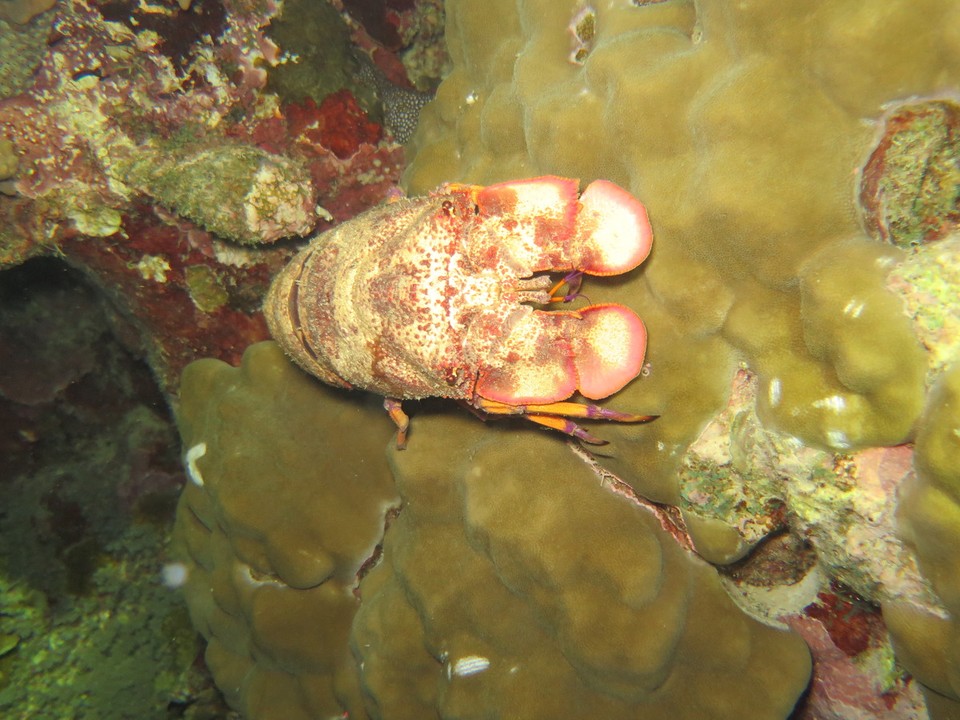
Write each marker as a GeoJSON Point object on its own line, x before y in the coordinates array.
{"type": "Point", "coordinates": [87, 441]}
{"type": "Point", "coordinates": [89, 476]}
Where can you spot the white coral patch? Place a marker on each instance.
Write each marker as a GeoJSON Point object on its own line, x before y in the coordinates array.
{"type": "Point", "coordinates": [854, 308]}
{"type": "Point", "coordinates": [190, 459]}
{"type": "Point", "coordinates": [836, 403]}
{"type": "Point", "coordinates": [174, 575]}
{"type": "Point", "coordinates": [469, 665]}
{"type": "Point", "coordinates": [774, 392]}
{"type": "Point", "coordinates": [153, 267]}
{"type": "Point", "coordinates": [837, 439]}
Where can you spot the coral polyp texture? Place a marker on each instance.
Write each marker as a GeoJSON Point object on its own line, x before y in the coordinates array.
{"type": "Point", "coordinates": [798, 160]}
{"type": "Point", "coordinates": [508, 569]}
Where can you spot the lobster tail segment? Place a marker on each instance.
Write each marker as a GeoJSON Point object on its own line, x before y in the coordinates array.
{"type": "Point", "coordinates": [612, 234]}
{"type": "Point", "coordinates": [608, 344]}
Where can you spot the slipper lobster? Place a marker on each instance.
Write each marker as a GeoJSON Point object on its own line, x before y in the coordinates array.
{"type": "Point", "coordinates": [443, 296]}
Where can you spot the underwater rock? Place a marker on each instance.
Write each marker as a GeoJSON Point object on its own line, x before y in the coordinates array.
{"type": "Point", "coordinates": [926, 281]}
{"type": "Point", "coordinates": [89, 475]}
{"type": "Point", "coordinates": [141, 145]}
{"type": "Point", "coordinates": [237, 192]}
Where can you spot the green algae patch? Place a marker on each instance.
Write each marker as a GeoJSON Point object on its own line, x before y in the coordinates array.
{"type": "Point", "coordinates": [926, 280]}
{"type": "Point", "coordinates": [317, 56]}
{"type": "Point", "coordinates": [8, 160]}
{"type": "Point", "coordinates": [910, 190]}
{"type": "Point", "coordinates": [205, 289]}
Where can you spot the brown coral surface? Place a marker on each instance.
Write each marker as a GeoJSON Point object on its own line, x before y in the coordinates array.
{"type": "Point", "coordinates": [748, 131]}
{"type": "Point", "coordinates": [766, 139]}
{"type": "Point", "coordinates": [511, 583]}
{"type": "Point", "coordinates": [279, 519]}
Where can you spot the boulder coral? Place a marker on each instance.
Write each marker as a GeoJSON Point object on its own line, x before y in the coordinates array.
{"type": "Point", "coordinates": [507, 570]}
{"type": "Point", "coordinates": [761, 136]}
{"type": "Point", "coordinates": [742, 129]}
{"type": "Point", "coordinates": [764, 137]}
{"type": "Point", "coordinates": [277, 521]}
{"type": "Point", "coordinates": [929, 642]}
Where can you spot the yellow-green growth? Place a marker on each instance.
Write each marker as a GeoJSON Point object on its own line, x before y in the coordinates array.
{"type": "Point", "coordinates": [236, 191]}
{"type": "Point", "coordinates": [928, 643]}
{"type": "Point", "coordinates": [205, 288]}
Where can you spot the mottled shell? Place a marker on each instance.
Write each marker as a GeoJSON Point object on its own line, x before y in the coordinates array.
{"type": "Point", "coordinates": [427, 296]}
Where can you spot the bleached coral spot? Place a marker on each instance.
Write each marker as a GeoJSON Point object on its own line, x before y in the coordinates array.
{"type": "Point", "coordinates": [190, 460]}
{"type": "Point", "coordinates": [174, 575]}
{"type": "Point", "coordinates": [834, 403]}
{"type": "Point", "coordinates": [838, 440]}
{"type": "Point", "coordinates": [469, 665]}
{"type": "Point", "coordinates": [775, 392]}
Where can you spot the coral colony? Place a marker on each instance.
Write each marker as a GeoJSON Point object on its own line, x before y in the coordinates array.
{"type": "Point", "coordinates": [781, 542]}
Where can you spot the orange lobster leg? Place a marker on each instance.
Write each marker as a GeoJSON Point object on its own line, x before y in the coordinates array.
{"type": "Point", "coordinates": [554, 415]}
{"type": "Point", "coordinates": [400, 419]}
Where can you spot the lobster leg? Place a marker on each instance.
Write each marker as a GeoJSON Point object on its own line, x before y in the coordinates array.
{"type": "Point", "coordinates": [555, 415]}
{"type": "Point", "coordinates": [400, 419]}
{"type": "Point", "coordinates": [567, 427]}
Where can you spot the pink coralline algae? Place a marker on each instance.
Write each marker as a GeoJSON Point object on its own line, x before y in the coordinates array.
{"type": "Point", "coordinates": [854, 678]}
{"type": "Point", "coordinates": [908, 186]}
{"type": "Point", "coordinates": [338, 124]}
{"type": "Point", "coordinates": [146, 148]}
